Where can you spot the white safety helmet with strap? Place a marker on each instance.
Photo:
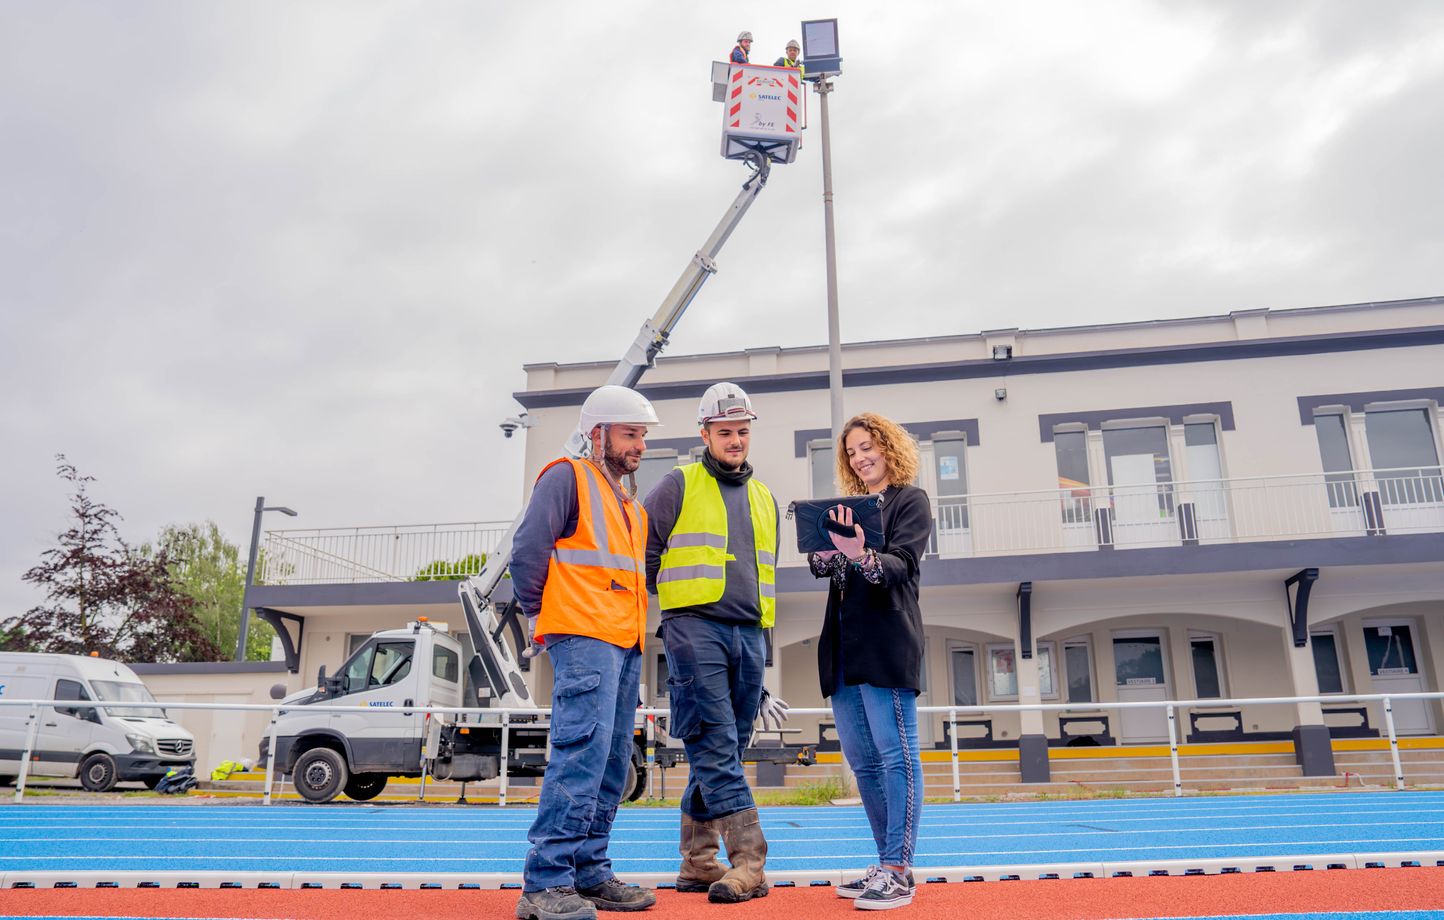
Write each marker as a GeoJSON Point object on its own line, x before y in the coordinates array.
{"type": "Point", "coordinates": [615, 405]}
{"type": "Point", "coordinates": [609, 405]}
{"type": "Point", "coordinates": [724, 401]}
{"type": "Point", "coordinates": [793, 45]}
{"type": "Point", "coordinates": [744, 37]}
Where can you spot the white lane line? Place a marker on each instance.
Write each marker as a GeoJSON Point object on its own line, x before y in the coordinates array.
{"type": "Point", "coordinates": [481, 824]}
{"type": "Point", "coordinates": [1242, 850]}
{"type": "Point", "coordinates": [776, 838]}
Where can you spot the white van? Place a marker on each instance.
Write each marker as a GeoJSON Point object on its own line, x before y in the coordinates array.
{"type": "Point", "coordinates": [98, 744]}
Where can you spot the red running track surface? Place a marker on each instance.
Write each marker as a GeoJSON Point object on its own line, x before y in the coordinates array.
{"type": "Point", "coordinates": [1071, 899]}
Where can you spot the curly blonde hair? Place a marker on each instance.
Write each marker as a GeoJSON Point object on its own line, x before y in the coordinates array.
{"type": "Point", "coordinates": [897, 446]}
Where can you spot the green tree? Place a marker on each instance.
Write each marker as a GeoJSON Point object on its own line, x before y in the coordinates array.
{"type": "Point", "coordinates": [102, 595]}
{"type": "Point", "coordinates": [442, 570]}
{"type": "Point", "coordinates": [207, 568]}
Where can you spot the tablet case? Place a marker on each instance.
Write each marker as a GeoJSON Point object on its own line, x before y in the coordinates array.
{"type": "Point", "coordinates": [811, 515]}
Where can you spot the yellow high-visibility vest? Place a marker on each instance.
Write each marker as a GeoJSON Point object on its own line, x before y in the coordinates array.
{"type": "Point", "coordinates": [694, 564]}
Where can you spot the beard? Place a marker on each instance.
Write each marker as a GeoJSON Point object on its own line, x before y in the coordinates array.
{"type": "Point", "coordinates": [620, 464]}
{"type": "Point", "coordinates": [732, 464]}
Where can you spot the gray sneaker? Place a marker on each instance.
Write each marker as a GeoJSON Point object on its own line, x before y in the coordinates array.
{"type": "Point", "coordinates": [856, 887]}
{"type": "Point", "coordinates": [615, 894]}
{"type": "Point", "coordinates": [554, 904]}
{"type": "Point", "coordinates": [886, 891]}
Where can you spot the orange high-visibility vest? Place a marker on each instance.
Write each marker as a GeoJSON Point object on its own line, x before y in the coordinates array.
{"type": "Point", "coordinates": [597, 578]}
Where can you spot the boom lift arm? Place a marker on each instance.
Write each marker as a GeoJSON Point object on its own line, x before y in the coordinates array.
{"type": "Point", "coordinates": [494, 666]}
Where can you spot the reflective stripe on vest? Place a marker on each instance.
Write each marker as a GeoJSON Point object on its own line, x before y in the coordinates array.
{"type": "Point", "coordinates": [694, 565]}
{"type": "Point", "coordinates": [596, 579]}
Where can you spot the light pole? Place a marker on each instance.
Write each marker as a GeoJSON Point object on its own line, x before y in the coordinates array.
{"type": "Point", "coordinates": [821, 61]}
{"type": "Point", "coordinates": [261, 508]}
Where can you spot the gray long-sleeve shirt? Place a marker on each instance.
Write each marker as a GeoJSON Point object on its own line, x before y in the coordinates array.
{"type": "Point", "coordinates": [740, 602]}
{"type": "Point", "coordinates": [551, 515]}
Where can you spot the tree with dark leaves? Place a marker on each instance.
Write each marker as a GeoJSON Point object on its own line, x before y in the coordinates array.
{"type": "Point", "coordinates": [103, 596]}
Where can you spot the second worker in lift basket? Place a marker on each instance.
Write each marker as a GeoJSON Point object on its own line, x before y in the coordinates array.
{"type": "Point", "coordinates": [578, 573]}
{"type": "Point", "coordinates": [711, 558]}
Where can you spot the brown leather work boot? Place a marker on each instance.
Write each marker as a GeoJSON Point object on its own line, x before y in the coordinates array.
{"type": "Point", "coordinates": [700, 868]}
{"type": "Point", "coordinates": [747, 852]}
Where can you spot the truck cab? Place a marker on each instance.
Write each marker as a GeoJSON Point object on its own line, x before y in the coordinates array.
{"type": "Point", "coordinates": [392, 673]}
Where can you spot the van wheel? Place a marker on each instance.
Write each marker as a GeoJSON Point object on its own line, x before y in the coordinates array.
{"type": "Point", "coordinates": [363, 787]}
{"type": "Point", "coordinates": [152, 781]}
{"type": "Point", "coordinates": [97, 773]}
{"type": "Point", "coordinates": [320, 775]}
{"type": "Point", "coordinates": [7, 780]}
{"type": "Point", "coordinates": [636, 776]}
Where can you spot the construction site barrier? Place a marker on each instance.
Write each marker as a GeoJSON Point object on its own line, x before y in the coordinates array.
{"type": "Point", "coordinates": [504, 717]}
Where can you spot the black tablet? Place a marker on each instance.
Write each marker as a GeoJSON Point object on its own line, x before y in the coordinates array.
{"type": "Point", "coordinates": [812, 521]}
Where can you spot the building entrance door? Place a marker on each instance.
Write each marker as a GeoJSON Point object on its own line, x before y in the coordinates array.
{"type": "Point", "coordinates": [1139, 675]}
{"type": "Point", "coordinates": [1394, 668]}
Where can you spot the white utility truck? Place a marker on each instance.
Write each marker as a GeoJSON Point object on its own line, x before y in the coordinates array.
{"type": "Point", "coordinates": [386, 679]}
{"type": "Point", "coordinates": [100, 745]}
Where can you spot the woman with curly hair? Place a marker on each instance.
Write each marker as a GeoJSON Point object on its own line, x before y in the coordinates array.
{"type": "Point", "coordinates": [870, 654]}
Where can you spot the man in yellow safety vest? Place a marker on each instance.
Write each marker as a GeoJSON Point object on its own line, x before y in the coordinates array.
{"type": "Point", "coordinates": [711, 559]}
{"type": "Point", "coordinates": [792, 58]}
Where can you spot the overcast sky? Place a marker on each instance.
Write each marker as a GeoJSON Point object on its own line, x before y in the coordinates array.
{"type": "Point", "coordinates": [303, 249]}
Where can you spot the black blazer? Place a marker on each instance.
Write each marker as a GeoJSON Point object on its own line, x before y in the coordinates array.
{"type": "Point", "coordinates": [878, 629]}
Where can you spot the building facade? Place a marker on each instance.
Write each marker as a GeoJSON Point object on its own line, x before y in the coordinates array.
{"type": "Point", "coordinates": [1236, 506]}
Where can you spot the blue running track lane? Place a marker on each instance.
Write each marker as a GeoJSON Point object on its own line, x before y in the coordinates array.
{"type": "Point", "coordinates": [379, 839]}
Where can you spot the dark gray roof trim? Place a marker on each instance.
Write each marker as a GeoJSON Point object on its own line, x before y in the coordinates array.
{"type": "Point", "coordinates": [1026, 364]}
{"type": "Point", "coordinates": [1093, 418]}
{"type": "Point", "coordinates": [211, 667]}
{"type": "Point", "coordinates": [923, 431]}
{"type": "Point", "coordinates": [1357, 401]}
{"type": "Point", "coordinates": [381, 594]}
{"type": "Point", "coordinates": [1169, 560]}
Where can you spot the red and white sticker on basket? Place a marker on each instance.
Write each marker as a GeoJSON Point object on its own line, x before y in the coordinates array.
{"type": "Point", "coordinates": [763, 101]}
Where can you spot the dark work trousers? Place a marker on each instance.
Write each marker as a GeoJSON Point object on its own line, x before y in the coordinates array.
{"type": "Point", "coordinates": [714, 686]}
{"type": "Point", "coordinates": [594, 705]}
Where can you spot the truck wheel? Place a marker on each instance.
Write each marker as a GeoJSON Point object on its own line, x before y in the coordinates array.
{"type": "Point", "coordinates": [362, 787]}
{"type": "Point", "coordinates": [97, 773]}
{"type": "Point", "coordinates": [320, 775]}
{"type": "Point", "coordinates": [636, 776]}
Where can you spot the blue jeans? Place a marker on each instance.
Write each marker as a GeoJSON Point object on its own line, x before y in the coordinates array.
{"type": "Point", "coordinates": [878, 728]}
{"type": "Point", "coordinates": [594, 702]}
{"type": "Point", "coordinates": [714, 686]}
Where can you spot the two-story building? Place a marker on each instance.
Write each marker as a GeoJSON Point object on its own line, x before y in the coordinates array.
{"type": "Point", "coordinates": [1245, 505]}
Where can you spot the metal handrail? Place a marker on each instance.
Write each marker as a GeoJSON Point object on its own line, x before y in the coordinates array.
{"type": "Point", "coordinates": [504, 717]}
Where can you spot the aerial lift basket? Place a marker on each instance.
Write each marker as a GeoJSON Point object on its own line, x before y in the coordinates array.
{"type": "Point", "coordinates": [762, 110]}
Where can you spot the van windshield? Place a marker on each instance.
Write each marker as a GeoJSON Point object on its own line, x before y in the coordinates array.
{"type": "Point", "coordinates": [125, 692]}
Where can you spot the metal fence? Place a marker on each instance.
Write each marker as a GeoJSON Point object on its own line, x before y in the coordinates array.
{"type": "Point", "coordinates": [342, 555]}
{"type": "Point", "coordinates": [1238, 510]}
{"type": "Point", "coordinates": [505, 716]}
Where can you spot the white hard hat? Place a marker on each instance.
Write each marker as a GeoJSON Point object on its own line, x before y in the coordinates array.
{"type": "Point", "coordinates": [745, 37]}
{"type": "Point", "coordinates": [614, 405]}
{"type": "Point", "coordinates": [793, 44]}
{"type": "Point", "coordinates": [724, 401]}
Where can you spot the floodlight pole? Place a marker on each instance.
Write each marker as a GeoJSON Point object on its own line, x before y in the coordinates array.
{"type": "Point", "coordinates": [823, 88]}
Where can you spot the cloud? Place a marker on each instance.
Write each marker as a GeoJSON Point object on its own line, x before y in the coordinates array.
{"type": "Point", "coordinates": [304, 249]}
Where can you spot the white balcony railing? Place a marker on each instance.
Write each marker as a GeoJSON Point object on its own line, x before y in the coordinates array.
{"type": "Point", "coordinates": [343, 555]}
{"type": "Point", "coordinates": [1243, 510]}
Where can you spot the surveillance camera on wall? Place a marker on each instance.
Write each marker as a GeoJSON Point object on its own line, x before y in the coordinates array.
{"type": "Point", "coordinates": [510, 425]}
{"type": "Point", "coordinates": [1000, 394]}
